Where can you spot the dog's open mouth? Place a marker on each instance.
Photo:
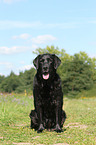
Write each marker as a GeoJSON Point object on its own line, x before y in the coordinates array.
{"type": "Point", "coordinates": [45, 76]}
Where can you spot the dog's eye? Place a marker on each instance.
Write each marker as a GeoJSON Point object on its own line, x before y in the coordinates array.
{"type": "Point", "coordinates": [49, 60]}
{"type": "Point", "coordinates": [41, 60]}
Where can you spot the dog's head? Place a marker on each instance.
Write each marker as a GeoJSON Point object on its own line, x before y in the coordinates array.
{"type": "Point", "coordinates": [46, 65]}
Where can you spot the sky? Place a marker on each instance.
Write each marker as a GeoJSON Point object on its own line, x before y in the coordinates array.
{"type": "Point", "coordinates": [29, 24]}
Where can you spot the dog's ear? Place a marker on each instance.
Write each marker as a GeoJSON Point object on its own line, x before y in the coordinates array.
{"type": "Point", "coordinates": [57, 61]}
{"type": "Point", "coordinates": [36, 62]}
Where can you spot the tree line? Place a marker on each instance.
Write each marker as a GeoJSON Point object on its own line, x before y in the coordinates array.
{"type": "Point", "coordinates": [77, 72]}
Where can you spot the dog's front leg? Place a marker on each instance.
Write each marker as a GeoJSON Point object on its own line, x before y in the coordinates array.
{"type": "Point", "coordinates": [58, 117]}
{"type": "Point", "coordinates": [38, 108]}
{"type": "Point", "coordinates": [40, 117]}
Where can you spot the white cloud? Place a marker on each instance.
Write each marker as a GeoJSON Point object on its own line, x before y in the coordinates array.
{"type": "Point", "coordinates": [38, 25]}
{"type": "Point", "coordinates": [14, 49]}
{"type": "Point", "coordinates": [36, 41]}
{"type": "Point", "coordinates": [1, 74]}
{"type": "Point", "coordinates": [7, 1]}
{"type": "Point", "coordinates": [22, 36]}
{"type": "Point", "coordinates": [92, 43]}
{"type": "Point", "coordinates": [7, 24]}
{"type": "Point", "coordinates": [92, 22]}
{"type": "Point", "coordinates": [26, 67]}
{"type": "Point", "coordinates": [66, 25]}
{"type": "Point", "coordinates": [10, 1]}
{"type": "Point", "coordinates": [22, 62]}
{"type": "Point", "coordinates": [42, 39]}
{"type": "Point", "coordinates": [34, 46]}
{"type": "Point", "coordinates": [7, 65]}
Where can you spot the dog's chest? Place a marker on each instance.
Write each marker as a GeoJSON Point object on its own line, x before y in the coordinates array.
{"type": "Point", "coordinates": [46, 90]}
{"type": "Point", "coordinates": [47, 94]}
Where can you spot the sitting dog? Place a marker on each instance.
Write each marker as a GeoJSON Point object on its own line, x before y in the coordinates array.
{"type": "Point", "coordinates": [48, 96]}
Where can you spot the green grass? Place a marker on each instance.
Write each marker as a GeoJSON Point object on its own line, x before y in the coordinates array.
{"type": "Point", "coordinates": [79, 128]}
{"type": "Point", "coordinates": [88, 93]}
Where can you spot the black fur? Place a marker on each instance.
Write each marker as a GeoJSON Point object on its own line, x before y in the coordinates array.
{"type": "Point", "coordinates": [48, 96]}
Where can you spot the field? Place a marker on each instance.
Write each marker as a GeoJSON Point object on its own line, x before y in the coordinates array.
{"type": "Point", "coordinates": [79, 128]}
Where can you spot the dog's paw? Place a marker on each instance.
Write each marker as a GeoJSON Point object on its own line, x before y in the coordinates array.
{"type": "Point", "coordinates": [41, 128]}
{"type": "Point", "coordinates": [58, 129]}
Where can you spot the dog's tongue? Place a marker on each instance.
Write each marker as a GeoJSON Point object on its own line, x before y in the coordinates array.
{"type": "Point", "coordinates": [46, 77]}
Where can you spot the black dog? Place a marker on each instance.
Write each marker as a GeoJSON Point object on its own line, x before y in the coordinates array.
{"type": "Point", "coordinates": [48, 96]}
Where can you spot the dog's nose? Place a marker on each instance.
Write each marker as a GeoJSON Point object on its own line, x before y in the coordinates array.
{"type": "Point", "coordinates": [45, 68]}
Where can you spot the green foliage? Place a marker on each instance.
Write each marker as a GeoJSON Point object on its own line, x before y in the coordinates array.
{"type": "Point", "coordinates": [93, 61]}
{"type": "Point", "coordinates": [18, 83]}
{"type": "Point", "coordinates": [88, 93]}
{"type": "Point", "coordinates": [10, 83]}
{"type": "Point", "coordinates": [48, 49]}
{"type": "Point", "coordinates": [1, 78]}
{"type": "Point", "coordinates": [26, 79]}
{"type": "Point", "coordinates": [52, 50]}
{"type": "Point", "coordinates": [77, 75]}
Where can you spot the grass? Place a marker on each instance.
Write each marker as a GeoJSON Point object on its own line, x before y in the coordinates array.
{"type": "Point", "coordinates": [88, 93]}
{"type": "Point", "coordinates": [79, 128]}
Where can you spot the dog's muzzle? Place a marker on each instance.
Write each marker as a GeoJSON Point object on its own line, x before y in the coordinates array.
{"type": "Point", "coordinates": [45, 72]}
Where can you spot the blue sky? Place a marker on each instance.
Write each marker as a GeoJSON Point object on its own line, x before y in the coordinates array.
{"type": "Point", "coordinates": [26, 25]}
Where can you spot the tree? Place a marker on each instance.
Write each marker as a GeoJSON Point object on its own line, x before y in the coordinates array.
{"type": "Point", "coordinates": [29, 77]}
{"type": "Point", "coordinates": [1, 78]}
{"type": "Point", "coordinates": [52, 50]}
{"type": "Point", "coordinates": [93, 60]}
{"type": "Point", "coordinates": [10, 83]}
{"type": "Point", "coordinates": [26, 81]}
{"type": "Point", "coordinates": [77, 74]}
